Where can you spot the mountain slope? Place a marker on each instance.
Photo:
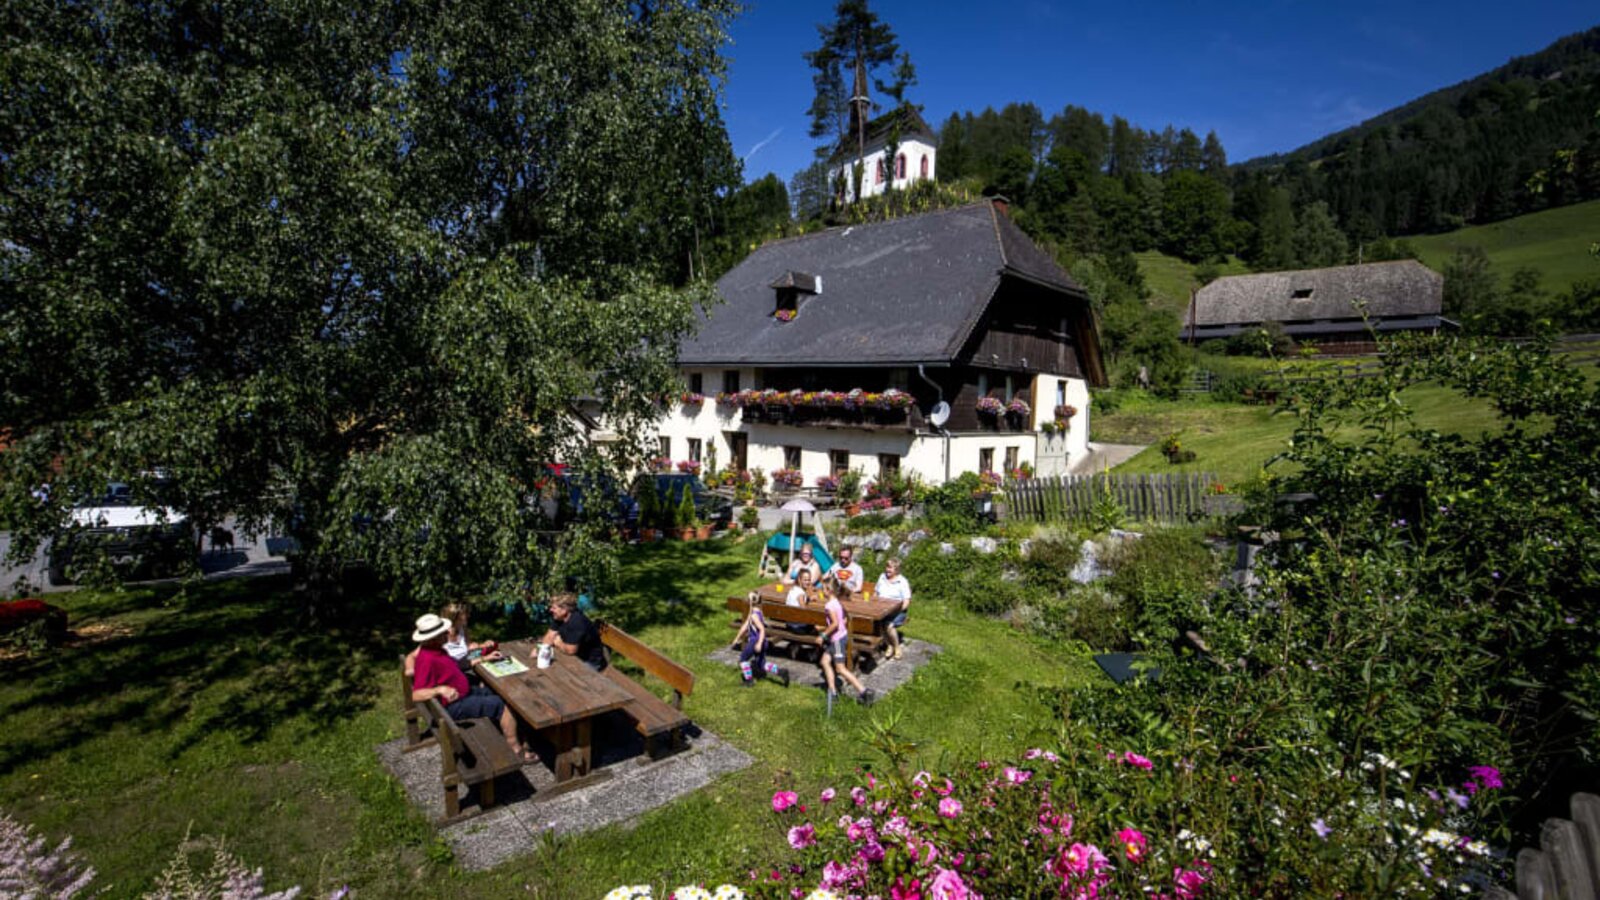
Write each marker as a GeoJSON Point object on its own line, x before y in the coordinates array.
{"type": "Point", "coordinates": [1554, 242]}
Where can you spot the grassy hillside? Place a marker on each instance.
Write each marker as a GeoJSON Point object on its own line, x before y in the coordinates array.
{"type": "Point", "coordinates": [1554, 241]}
{"type": "Point", "coordinates": [1170, 278]}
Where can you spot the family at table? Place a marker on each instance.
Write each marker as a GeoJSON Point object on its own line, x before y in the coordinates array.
{"type": "Point", "coordinates": [441, 664]}
{"type": "Point", "coordinates": [809, 586]}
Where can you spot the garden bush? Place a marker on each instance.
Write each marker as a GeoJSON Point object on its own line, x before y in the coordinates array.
{"type": "Point", "coordinates": [1165, 577]}
{"type": "Point", "coordinates": [1089, 613]}
{"type": "Point", "coordinates": [950, 509]}
{"type": "Point", "coordinates": [1049, 563]}
{"type": "Point", "coordinates": [965, 579]}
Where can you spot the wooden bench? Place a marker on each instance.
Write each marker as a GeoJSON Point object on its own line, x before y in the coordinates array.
{"type": "Point", "coordinates": [418, 735]}
{"type": "Point", "coordinates": [864, 637]}
{"type": "Point", "coordinates": [654, 716]}
{"type": "Point", "coordinates": [472, 752]}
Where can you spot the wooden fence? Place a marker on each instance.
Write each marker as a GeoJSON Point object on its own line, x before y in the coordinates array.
{"type": "Point", "coordinates": [1567, 865]}
{"type": "Point", "coordinates": [1178, 497]}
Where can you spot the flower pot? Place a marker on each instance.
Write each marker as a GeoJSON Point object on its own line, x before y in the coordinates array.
{"type": "Point", "coordinates": [703, 532]}
{"type": "Point", "coordinates": [650, 535]}
{"type": "Point", "coordinates": [852, 509]}
{"type": "Point", "coordinates": [685, 534]}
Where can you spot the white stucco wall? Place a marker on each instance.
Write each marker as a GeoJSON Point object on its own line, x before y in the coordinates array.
{"type": "Point", "coordinates": [914, 150]}
{"type": "Point", "coordinates": [923, 453]}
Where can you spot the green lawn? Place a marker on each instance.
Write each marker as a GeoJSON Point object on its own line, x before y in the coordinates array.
{"type": "Point", "coordinates": [217, 710]}
{"type": "Point", "coordinates": [1234, 441]}
{"type": "Point", "coordinates": [1554, 241]}
{"type": "Point", "coordinates": [1169, 279]}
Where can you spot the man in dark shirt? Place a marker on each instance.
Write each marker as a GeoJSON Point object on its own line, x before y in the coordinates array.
{"type": "Point", "coordinates": [574, 634]}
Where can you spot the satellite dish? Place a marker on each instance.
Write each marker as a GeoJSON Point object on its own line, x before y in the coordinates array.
{"type": "Point", "coordinates": [940, 414]}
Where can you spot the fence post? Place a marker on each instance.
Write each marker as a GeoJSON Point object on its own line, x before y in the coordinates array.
{"type": "Point", "coordinates": [1563, 847]}
{"type": "Point", "coordinates": [1535, 880]}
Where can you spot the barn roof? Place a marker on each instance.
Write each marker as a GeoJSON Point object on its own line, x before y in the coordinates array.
{"type": "Point", "coordinates": [1388, 289]}
{"type": "Point", "coordinates": [902, 292]}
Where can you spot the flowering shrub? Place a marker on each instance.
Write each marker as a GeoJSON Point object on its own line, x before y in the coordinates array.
{"type": "Point", "coordinates": [876, 504]}
{"type": "Point", "coordinates": [1065, 412]}
{"type": "Point", "coordinates": [990, 480]}
{"type": "Point", "coordinates": [789, 478]}
{"type": "Point", "coordinates": [691, 399]}
{"type": "Point", "coordinates": [1018, 407]}
{"type": "Point", "coordinates": [827, 483]}
{"type": "Point", "coordinates": [1100, 823]}
{"type": "Point", "coordinates": [30, 868]}
{"type": "Point", "coordinates": [689, 466]}
{"type": "Point", "coordinates": [662, 463]}
{"type": "Point", "coordinates": [33, 614]}
{"type": "Point", "coordinates": [990, 406]}
{"type": "Point", "coordinates": [785, 315]}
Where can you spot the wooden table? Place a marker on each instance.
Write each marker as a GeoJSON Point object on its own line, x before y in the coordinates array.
{"type": "Point", "coordinates": [876, 613]}
{"type": "Point", "coordinates": [561, 702]}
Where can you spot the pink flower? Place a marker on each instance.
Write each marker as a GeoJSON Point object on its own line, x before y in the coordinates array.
{"type": "Point", "coordinates": [1134, 759]}
{"type": "Point", "coordinates": [870, 852]}
{"type": "Point", "coordinates": [898, 826]}
{"type": "Point", "coordinates": [949, 807]}
{"type": "Point", "coordinates": [802, 836]}
{"type": "Point", "coordinates": [782, 800]}
{"type": "Point", "coordinates": [1077, 860]}
{"type": "Point", "coordinates": [947, 885]}
{"type": "Point", "coordinates": [1487, 777]}
{"type": "Point", "coordinates": [947, 790]}
{"type": "Point", "coordinates": [1017, 776]}
{"type": "Point", "coordinates": [860, 829]}
{"type": "Point", "coordinates": [902, 891]}
{"type": "Point", "coordinates": [859, 795]}
{"type": "Point", "coordinates": [835, 874]}
{"type": "Point", "coordinates": [1134, 844]}
{"type": "Point", "coordinates": [828, 794]}
{"type": "Point", "coordinates": [1187, 883]}
{"type": "Point", "coordinates": [1035, 753]}
{"type": "Point", "coordinates": [921, 779]}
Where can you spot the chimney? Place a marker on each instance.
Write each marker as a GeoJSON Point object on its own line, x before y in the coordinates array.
{"type": "Point", "coordinates": [1002, 205]}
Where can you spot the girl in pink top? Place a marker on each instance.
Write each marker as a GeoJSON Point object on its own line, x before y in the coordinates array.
{"type": "Point", "coordinates": [836, 648]}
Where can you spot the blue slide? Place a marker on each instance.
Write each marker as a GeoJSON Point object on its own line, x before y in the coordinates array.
{"type": "Point", "coordinates": [780, 543]}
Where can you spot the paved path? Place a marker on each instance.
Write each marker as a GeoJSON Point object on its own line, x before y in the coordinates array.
{"type": "Point", "coordinates": [1106, 456]}
{"type": "Point", "coordinates": [252, 556]}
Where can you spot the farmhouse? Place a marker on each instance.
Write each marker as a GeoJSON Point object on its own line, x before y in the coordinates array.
{"type": "Point", "coordinates": [1323, 305]}
{"type": "Point", "coordinates": [833, 350]}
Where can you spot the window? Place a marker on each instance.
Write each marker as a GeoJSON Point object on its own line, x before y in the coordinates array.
{"type": "Point", "coordinates": [900, 379]}
{"type": "Point", "coordinates": [900, 167]}
{"type": "Point", "coordinates": [694, 449]}
{"type": "Point", "coordinates": [839, 461]}
{"type": "Point", "coordinates": [1011, 390]}
{"type": "Point", "coordinates": [1302, 293]}
{"type": "Point", "coordinates": [697, 383]}
{"type": "Point", "coordinates": [791, 458]}
{"type": "Point", "coordinates": [888, 464]}
{"type": "Point", "coordinates": [730, 381]}
{"type": "Point", "coordinates": [665, 448]}
{"type": "Point", "coordinates": [983, 384]}
{"type": "Point", "coordinates": [1061, 393]}
{"type": "Point", "coordinates": [788, 301]}
{"type": "Point", "coordinates": [1011, 459]}
{"type": "Point", "coordinates": [986, 459]}
{"type": "Point", "coordinates": [924, 167]}
{"type": "Point", "coordinates": [880, 170]}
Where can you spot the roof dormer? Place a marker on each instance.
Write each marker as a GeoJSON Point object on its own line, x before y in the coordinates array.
{"type": "Point", "coordinates": [789, 289]}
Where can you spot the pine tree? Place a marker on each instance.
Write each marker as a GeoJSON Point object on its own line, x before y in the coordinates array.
{"type": "Point", "coordinates": [853, 48]}
{"type": "Point", "coordinates": [1213, 159]}
{"type": "Point", "coordinates": [953, 148]}
{"type": "Point", "coordinates": [1276, 233]}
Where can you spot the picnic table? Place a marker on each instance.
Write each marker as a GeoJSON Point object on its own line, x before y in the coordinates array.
{"type": "Point", "coordinates": [868, 620]}
{"type": "Point", "coordinates": [560, 702]}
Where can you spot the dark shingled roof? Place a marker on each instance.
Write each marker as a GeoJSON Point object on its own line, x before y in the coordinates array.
{"type": "Point", "coordinates": [911, 125]}
{"type": "Point", "coordinates": [901, 292]}
{"type": "Point", "coordinates": [1401, 288]}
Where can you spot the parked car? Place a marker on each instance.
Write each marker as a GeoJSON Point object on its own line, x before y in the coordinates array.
{"type": "Point", "coordinates": [708, 507]}
{"type": "Point", "coordinates": [601, 494]}
{"type": "Point", "coordinates": [132, 536]}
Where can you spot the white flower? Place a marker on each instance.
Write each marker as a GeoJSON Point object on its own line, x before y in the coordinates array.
{"type": "Point", "coordinates": [820, 894]}
{"type": "Point", "coordinates": [728, 892]}
{"type": "Point", "coordinates": [1194, 843]}
{"type": "Point", "coordinates": [630, 892]}
{"type": "Point", "coordinates": [692, 892]}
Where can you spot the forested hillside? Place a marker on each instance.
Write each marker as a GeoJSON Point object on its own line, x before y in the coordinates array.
{"type": "Point", "coordinates": [1520, 138]}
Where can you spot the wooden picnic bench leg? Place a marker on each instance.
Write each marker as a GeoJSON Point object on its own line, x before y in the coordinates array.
{"type": "Point", "coordinates": [486, 794]}
{"type": "Point", "coordinates": [573, 749]}
{"type": "Point", "coordinates": [452, 802]}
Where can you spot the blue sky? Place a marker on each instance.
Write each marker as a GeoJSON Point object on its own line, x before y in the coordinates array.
{"type": "Point", "coordinates": [1268, 76]}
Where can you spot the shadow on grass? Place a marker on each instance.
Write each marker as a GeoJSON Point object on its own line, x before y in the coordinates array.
{"type": "Point", "coordinates": [669, 583]}
{"type": "Point", "coordinates": [233, 657]}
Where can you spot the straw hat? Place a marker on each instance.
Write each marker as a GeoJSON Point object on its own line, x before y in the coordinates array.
{"type": "Point", "coordinates": [429, 627]}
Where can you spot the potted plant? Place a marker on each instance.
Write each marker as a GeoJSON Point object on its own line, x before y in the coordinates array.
{"type": "Point", "coordinates": [849, 491]}
{"type": "Point", "coordinates": [683, 520]}
{"type": "Point", "coordinates": [750, 518]}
